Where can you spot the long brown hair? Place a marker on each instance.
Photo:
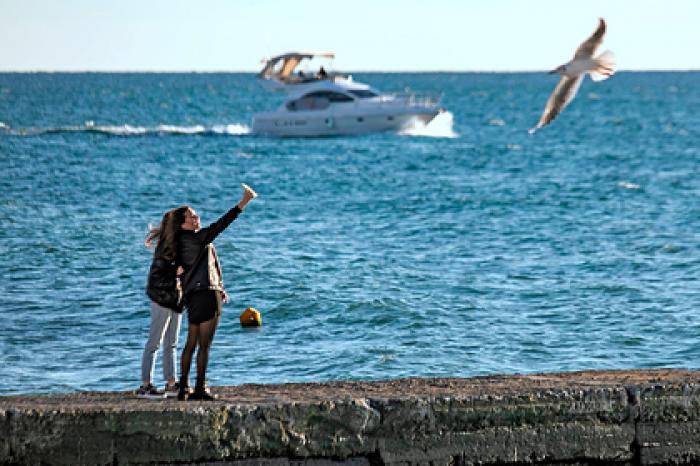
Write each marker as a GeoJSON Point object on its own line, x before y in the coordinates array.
{"type": "Point", "coordinates": [164, 237]}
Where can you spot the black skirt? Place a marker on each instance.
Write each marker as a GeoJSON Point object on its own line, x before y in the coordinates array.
{"type": "Point", "coordinates": [203, 306]}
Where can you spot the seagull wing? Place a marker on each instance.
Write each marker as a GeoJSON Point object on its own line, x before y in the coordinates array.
{"type": "Point", "coordinates": [561, 96]}
{"type": "Point", "coordinates": [588, 47]}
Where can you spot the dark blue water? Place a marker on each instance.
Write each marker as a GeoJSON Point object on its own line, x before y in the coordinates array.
{"type": "Point", "coordinates": [370, 257]}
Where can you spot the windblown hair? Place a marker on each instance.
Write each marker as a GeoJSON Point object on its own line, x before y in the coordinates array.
{"type": "Point", "coordinates": [164, 237]}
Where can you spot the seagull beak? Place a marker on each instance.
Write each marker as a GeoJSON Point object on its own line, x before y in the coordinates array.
{"type": "Point", "coordinates": [554, 71]}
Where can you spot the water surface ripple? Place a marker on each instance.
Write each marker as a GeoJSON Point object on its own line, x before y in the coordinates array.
{"type": "Point", "coordinates": [370, 257]}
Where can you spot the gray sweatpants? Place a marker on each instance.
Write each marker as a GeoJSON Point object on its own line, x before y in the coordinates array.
{"type": "Point", "coordinates": [165, 329]}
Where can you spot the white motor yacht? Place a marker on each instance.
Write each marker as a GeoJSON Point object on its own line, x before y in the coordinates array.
{"type": "Point", "coordinates": [332, 104]}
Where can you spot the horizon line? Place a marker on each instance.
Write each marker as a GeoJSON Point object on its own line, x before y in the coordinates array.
{"type": "Point", "coordinates": [183, 71]}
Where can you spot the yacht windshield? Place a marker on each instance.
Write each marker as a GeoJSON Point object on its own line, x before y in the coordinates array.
{"type": "Point", "coordinates": [318, 100]}
{"type": "Point", "coordinates": [363, 93]}
{"type": "Point", "coordinates": [331, 96]}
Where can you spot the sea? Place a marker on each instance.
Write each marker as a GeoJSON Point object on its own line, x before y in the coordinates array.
{"type": "Point", "coordinates": [464, 248]}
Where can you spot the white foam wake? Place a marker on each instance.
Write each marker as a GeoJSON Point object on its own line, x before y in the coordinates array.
{"type": "Point", "coordinates": [126, 130]}
{"type": "Point", "coordinates": [439, 127]}
{"type": "Point", "coordinates": [235, 129]}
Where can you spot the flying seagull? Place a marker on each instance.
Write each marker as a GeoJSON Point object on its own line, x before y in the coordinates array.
{"type": "Point", "coordinates": [572, 73]}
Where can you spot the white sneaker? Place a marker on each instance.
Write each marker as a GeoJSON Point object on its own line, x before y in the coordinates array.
{"type": "Point", "coordinates": [171, 391]}
{"type": "Point", "coordinates": [149, 392]}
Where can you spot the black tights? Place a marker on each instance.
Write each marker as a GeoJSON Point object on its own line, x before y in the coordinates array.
{"type": "Point", "coordinates": [201, 336]}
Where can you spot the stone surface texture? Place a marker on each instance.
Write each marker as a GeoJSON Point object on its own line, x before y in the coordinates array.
{"type": "Point", "coordinates": [644, 417]}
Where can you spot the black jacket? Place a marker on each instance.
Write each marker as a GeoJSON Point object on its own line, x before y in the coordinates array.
{"type": "Point", "coordinates": [162, 284]}
{"type": "Point", "coordinates": [198, 256]}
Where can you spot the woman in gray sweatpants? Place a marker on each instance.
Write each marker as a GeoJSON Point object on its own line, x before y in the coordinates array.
{"type": "Point", "coordinates": [165, 330]}
{"type": "Point", "coordinates": [166, 309]}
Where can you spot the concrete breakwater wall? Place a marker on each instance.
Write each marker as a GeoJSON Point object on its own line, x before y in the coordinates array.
{"type": "Point", "coordinates": [611, 417]}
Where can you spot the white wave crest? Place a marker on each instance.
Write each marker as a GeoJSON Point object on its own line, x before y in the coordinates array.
{"type": "Point", "coordinates": [438, 127]}
{"type": "Point", "coordinates": [197, 129]}
{"type": "Point", "coordinates": [123, 130]}
{"type": "Point", "coordinates": [629, 185]}
{"type": "Point", "coordinates": [233, 129]}
{"type": "Point", "coordinates": [130, 130]}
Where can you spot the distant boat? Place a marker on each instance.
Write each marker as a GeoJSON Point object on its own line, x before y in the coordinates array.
{"type": "Point", "coordinates": [332, 104]}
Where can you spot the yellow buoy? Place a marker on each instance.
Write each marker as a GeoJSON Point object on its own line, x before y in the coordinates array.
{"type": "Point", "coordinates": [251, 318]}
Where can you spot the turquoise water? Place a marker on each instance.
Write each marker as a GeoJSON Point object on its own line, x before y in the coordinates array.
{"type": "Point", "coordinates": [483, 251]}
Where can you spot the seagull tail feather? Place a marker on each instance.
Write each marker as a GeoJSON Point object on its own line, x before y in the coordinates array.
{"type": "Point", "coordinates": [606, 66]}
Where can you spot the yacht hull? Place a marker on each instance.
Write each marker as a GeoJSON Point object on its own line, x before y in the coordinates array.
{"type": "Point", "coordinates": [330, 123]}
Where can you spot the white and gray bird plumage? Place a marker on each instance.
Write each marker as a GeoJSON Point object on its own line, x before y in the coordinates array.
{"type": "Point", "coordinates": [572, 73]}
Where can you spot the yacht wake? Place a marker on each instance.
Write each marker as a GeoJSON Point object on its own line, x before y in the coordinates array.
{"type": "Point", "coordinates": [439, 127]}
{"type": "Point", "coordinates": [234, 129]}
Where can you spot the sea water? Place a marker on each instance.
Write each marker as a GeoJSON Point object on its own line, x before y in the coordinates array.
{"type": "Point", "coordinates": [465, 248]}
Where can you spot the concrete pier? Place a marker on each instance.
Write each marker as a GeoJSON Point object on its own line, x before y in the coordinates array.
{"type": "Point", "coordinates": [639, 417]}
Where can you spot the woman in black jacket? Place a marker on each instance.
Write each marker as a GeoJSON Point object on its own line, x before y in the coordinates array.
{"type": "Point", "coordinates": [166, 307]}
{"type": "Point", "coordinates": [203, 287]}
